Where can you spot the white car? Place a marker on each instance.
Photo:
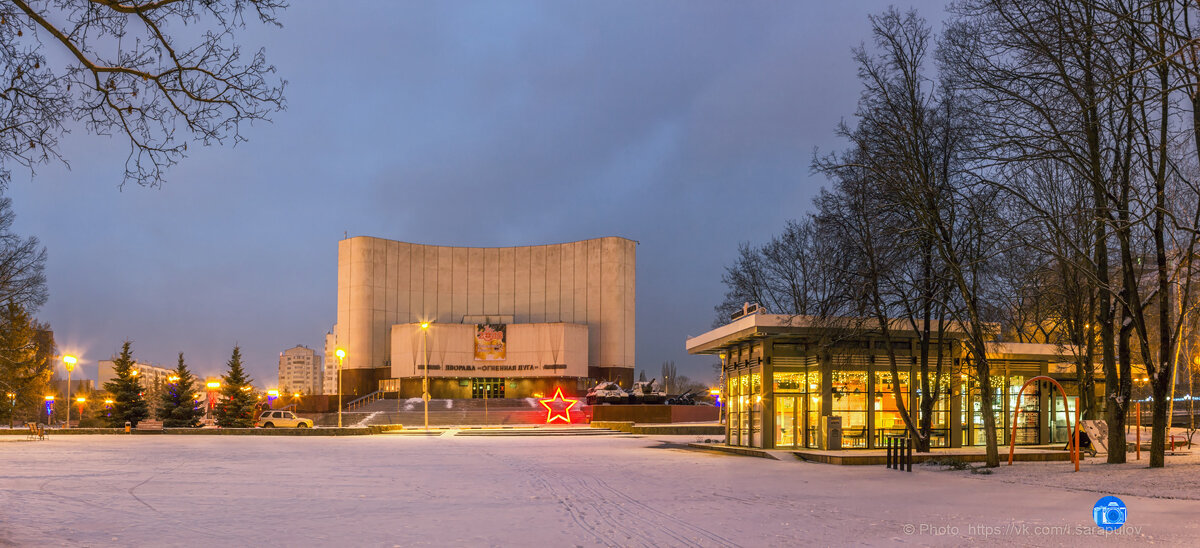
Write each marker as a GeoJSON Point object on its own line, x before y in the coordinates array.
{"type": "Point", "coordinates": [282, 419]}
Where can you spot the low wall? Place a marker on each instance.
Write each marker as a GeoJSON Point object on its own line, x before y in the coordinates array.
{"type": "Point", "coordinates": [357, 431]}
{"type": "Point", "coordinates": [655, 414]}
{"type": "Point", "coordinates": [662, 429]}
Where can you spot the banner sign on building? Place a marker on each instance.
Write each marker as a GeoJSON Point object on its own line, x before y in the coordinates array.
{"type": "Point", "coordinates": [490, 341]}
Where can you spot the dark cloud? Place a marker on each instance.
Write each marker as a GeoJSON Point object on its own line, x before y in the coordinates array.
{"type": "Point", "coordinates": [688, 126]}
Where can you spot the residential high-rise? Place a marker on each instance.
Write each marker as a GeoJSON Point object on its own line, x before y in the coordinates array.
{"type": "Point", "coordinates": [329, 376]}
{"type": "Point", "coordinates": [299, 370]}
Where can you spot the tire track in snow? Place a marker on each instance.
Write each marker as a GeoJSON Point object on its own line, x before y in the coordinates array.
{"type": "Point", "coordinates": [714, 537]}
{"type": "Point", "coordinates": [613, 513]}
{"type": "Point", "coordinates": [564, 500]}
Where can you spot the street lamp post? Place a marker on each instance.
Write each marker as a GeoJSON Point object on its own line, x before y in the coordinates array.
{"type": "Point", "coordinates": [425, 357]}
{"type": "Point", "coordinates": [12, 407]}
{"type": "Point", "coordinates": [341, 356]}
{"type": "Point", "coordinates": [211, 401]}
{"type": "Point", "coordinates": [69, 363]}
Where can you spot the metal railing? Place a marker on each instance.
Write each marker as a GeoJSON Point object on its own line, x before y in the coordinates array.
{"type": "Point", "coordinates": [360, 402]}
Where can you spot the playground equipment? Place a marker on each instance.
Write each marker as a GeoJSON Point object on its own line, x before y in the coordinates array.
{"type": "Point", "coordinates": [1074, 439]}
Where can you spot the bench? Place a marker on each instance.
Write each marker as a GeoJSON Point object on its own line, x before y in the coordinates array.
{"type": "Point", "coordinates": [150, 425]}
{"type": "Point", "coordinates": [36, 432]}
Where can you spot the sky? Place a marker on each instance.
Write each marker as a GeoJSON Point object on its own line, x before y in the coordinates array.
{"type": "Point", "coordinates": [689, 126]}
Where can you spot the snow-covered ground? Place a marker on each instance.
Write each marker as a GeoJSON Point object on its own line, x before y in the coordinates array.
{"type": "Point", "coordinates": [1180, 479]}
{"type": "Point", "coordinates": [390, 490]}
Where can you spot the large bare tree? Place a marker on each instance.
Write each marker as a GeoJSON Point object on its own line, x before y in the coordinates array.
{"type": "Point", "coordinates": [920, 233]}
{"type": "Point", "coordinates": [1040, 84]}
{"type": "Point", "coordinates": [155, 73]}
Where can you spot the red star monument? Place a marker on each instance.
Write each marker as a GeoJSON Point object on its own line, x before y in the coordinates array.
{"type": "Point", "coordinates": [557, 402]}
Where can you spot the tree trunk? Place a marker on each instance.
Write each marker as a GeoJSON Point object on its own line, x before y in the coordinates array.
{"type": "Point", "coordinates": [982, 371]}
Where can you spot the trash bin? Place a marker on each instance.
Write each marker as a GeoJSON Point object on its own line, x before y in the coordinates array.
{"type": "Point", "coordinates": [831, 433]}
{"type": "Point", "coordinates": [127, 427]}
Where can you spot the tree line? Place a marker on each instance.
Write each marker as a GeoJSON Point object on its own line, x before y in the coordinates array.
{"type": "Point", "coordinates": [180, 404]}
{"type": "Point", "coordinates": [1030, 173]}
{"type": "Point", "coordinates": [28, 355]}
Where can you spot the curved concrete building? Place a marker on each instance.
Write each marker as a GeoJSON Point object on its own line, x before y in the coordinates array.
{"type": "Point", "coordinates": [560, 313]}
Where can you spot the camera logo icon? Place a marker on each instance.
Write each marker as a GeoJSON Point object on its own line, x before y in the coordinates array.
{"type": "Point", "coordinates": [1109, 513]}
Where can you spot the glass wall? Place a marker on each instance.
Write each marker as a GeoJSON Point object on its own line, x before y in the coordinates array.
{"type": "Point", "coordinates": [888, 421]}
{"type": "Point", "coordinates": [743, 408]}
{"type": "Point", "coordinates": [939, 427]}
{"type": "Point", "coordinates": [790, 388]}
{"type": "Point", "coordinates": [849, 391]}
{"type": "Point", "coordinates": [733, 407]}
{"type": "Point", "coordinates": [754, 406]}
{"type": "Point", "coordinates": [813, 411]}
{"type": "Point", "coordinates": [1061, 416]}
{"type": "Point", "coordinates": [785, 420]}
{"type": "Point", "coordinates": [1029, 421]}
{"type": "Point", "coordinates": [973, 428]}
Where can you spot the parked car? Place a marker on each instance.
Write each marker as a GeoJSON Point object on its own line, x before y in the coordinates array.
{"type": "Point", "coordinates": [282, 419]}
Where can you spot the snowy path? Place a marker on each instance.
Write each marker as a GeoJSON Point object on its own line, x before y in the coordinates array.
{"type": "Point", "coordinates": [518, 491]}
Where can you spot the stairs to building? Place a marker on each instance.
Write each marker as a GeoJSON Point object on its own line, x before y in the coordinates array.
{"type": "Point", "coordinates": [360, 404]}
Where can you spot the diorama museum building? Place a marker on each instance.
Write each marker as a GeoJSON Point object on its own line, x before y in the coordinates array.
{"type": "Point", "coordinates": [503, 322]}
{"type": "Point", "coordinates": [783, 373]}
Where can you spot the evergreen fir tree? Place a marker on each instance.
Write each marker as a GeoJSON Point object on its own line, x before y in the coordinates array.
{"type": "Point", "coordinates": [126, 389]}
{"type": "Point", "coordinates": [236, 409]}
{"type": "Point", "coordinates": [26, 371]}
{"type": "Point", "coordinates": [177, 404]}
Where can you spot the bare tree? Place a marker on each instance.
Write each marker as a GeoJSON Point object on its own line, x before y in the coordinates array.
{"type": "Point", "coordinates": [670, 376]}
{"type": "Point", "coordinates": [22, 264]}
{"type": "Point", "coordinates": [1038, 79]}
{"type": "Point", "coordinates": [914, 235]}
{"type": "Point", "coordinates": [156, 73]}
{"type": "Point", "coordinates": [789, 274]}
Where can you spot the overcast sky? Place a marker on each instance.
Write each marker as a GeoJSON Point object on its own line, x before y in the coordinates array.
{"type": "Point", "coordinates": [687, 126]}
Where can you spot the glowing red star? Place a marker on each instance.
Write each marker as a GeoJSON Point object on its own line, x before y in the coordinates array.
{"type": "Point", "coordinates": [551, 415]}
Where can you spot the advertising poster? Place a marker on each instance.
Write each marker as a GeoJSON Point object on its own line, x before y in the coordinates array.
{"type": "Point", "coordinates": [489, 341]}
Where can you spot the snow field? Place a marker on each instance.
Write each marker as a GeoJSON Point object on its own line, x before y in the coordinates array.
{"type": "Point", "coordinates": [392, 490]}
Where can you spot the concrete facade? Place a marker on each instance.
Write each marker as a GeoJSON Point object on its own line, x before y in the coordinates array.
{"type": "Point", "coordinates": [534, 350]}
{"type": "Point", "coordinates": [299, 371]}
{"type": "Point", "coordinates": [384, 283]}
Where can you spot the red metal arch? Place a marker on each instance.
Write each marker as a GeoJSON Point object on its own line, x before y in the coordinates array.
{"type": "Point", "coordinates": [1012, 440]}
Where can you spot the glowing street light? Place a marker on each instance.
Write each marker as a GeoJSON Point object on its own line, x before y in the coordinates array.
{"type": "Point", "coordinates": [213, 387]}
{"type": "Point", "coordinates": [341, 356]}
{"type": "Point", "coordinates": [50, 409]}
{"type": "Point", "coordinates": [69, 363]}
{"type": "Point", "coordinates": [425, 383]}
